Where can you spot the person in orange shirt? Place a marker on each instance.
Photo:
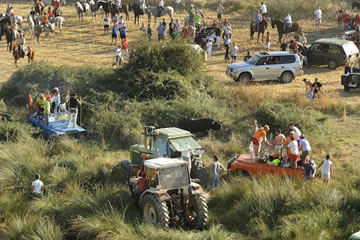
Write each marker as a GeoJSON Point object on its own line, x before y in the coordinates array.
{"type": "Point", "coordinates": [258, 137]}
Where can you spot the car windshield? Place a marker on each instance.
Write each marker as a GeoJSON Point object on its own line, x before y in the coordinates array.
{"type": "Point", "coordinates": [253, 59]}
{"type": "Point", "coordinates": [174, 177]}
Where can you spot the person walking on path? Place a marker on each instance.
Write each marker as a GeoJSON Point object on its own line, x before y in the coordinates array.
{"type": "Point", "coordinates": [318, 14]}
{"type": "Point", "coordinates": [234, 52]}
{"type": "Point", "coordinates": [219, 11]}
{"type": "Point", "coordinates": [227, 44]}
{"type": "Point", "coordinates": [327, 169]}
{"type": "Point", "coordinates": [215, 169]}
{"type": "Point", "coordinates": [37, 186]}
{"type": "Point", "coordinates": [209, 45]}
{"type": "Point", "coordinates": [267, 44]}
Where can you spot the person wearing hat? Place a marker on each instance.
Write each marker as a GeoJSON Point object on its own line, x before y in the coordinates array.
{"type": "Point", "coordinates": [304, 147]}
{"type": "Point", "coordinates": [56, 100]}
{"type": "Point", "coordinates": [209, 45]}
{"type": "Point", "coordinates": [258, 137]}
{"type": "Point", "coordinates": [293, 151]}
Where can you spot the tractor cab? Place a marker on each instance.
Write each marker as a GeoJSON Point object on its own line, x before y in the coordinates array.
{"type": "Point", "coordinates": [163, 142]}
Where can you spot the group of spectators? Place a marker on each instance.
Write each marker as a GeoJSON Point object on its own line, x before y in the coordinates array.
{"type": "Point", "coordinates": [48, 104]}
{"type": "Point", "coordinates": [297, 151]}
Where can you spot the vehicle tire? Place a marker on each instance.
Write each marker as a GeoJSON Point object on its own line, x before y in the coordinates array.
{"type": "Point", "coordinates": [155, 211]}
{"type": "Point", "coordinates": [346, 89]}
{"type": "Point", "coordinates": [244, 78]}
{"type": "Point", "coordinates": [121, 171]}
{"type": "Point", "coordinates": [286, 77]}
{"type": "Point", "coordinates": [332, 64]}
{"type": "Point", "coordinates": [198, 212]}
{"type": "Point", "coordinates": [198, 171]}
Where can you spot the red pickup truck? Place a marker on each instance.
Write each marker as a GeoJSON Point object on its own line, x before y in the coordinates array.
{"type": "Point", "coordinates": [247, 165]}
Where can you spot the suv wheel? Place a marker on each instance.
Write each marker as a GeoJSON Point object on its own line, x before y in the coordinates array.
{"type": "Point", "coordinates": [332, 64]}
{"type": "Point", "coordinates": [286, 77]}
{"type": "Point", "coordinates": [244, 78]}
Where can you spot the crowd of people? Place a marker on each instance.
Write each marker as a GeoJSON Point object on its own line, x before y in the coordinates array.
{"type": "Point", "coordinates": [51, 103]}
{"type": "Point", "coordinates": [297, 151]}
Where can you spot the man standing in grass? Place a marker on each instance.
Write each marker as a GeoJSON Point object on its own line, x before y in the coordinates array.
{"type": "Point", "coordinates": [258, 137]}
{"type": "Point", "coordinates": [37, 186]}
{"type": "Point", "coordinates": [215, 169]}
{"type": "Point", "coordinates": [161, 32]}
{"type": "Point", "coordinates": [219, 11]}
{"type": "Point", "coordinates": [234, 52]}
{"type": "Point", "coordinates": [318, 14]}
{"type": "Point", "coordinates": [327, 169]}
{"type": "Point", "coordinates": [278, 144]}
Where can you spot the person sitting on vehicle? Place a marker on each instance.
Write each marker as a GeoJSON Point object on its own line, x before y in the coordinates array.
{"type": "Point", "coordinates": [247, 57]}
{"type": "Point", "coordinates": [40, 100]}
{"type": "Point", "coordinates": [64, 101]}
{"type": "Point", "coordinates": [293, 151]}
{"type": "Point", "coordinates": [141, 184]}
{"type": "Point", "coordinates": [55, 100]}
{"type": "Point", "coordinates": [258, 137]}
{"type": "Point", "coordinates": [47, 109]}
{"type": "Point", "coordinates": [278, 144]}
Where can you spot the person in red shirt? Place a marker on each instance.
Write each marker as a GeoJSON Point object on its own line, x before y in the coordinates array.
{"type": "Point", "coordinates": [141, 183]}
{"type": "Point", "coordinates": [51, 14]}
{"type": "Point", "coordinates": [56, 6]}
{"type": "Point", "coordinates": [346, 19]}
{"type": "Point", "coordinates": [357, 19]}
{"type": "Point", "coordinates": [125, 48]}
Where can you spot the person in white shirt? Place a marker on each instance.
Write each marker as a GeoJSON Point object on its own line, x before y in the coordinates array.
{"type": "Point", "coordinates": [288, 23]}
{"type": "Point", "coordinates": [234, 51]}
{"type": "Point", "coordinates": [106, 23]}
{"type": "Point", "coordinates": [142, 4]}
{"type": "Point", "coordinates": [297, 132]}
{"type": "Point", "coordinates": [118, 57]}
{"type": "Point", "coordinates": [118, 4]}
{"type": "Point", "coordinates": [327, 169]}
{"type": "Point", "coordinates": [37, 186]}
{"type": "Point", "coordinates": [318, 14]}
{"type": "Point", "coordinates": [263, 9]}
{"type": "Point", "coordinates": [293, 151]}
{"type": "Point", "coordinates": [219, 11]}
{"type": "Point", "coordinates": [209, 48]}
{"type": "Point", "coordinates": [121, 22]}
{"type": "Point", "coordinates": [161, 7]}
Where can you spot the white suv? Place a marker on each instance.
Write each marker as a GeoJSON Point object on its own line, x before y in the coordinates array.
{"type": "Point", "coordinates": [283, 66]}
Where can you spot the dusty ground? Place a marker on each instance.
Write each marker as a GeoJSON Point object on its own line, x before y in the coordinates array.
{"type": "Point", "coordinates": [83, 42]}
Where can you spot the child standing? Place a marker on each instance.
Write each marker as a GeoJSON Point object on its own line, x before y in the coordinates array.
{"type": "Point", "coordinates": [117, 56]}
{"type": "Point", "coordinates": [149, 32]}
{"type": "Point", "coordinates": [209, 48]}
{"type": "Point", "coordinates": [114, 33]}
{"type": "Point", "coordinates": [143, 30]}
{"type": "Point", "coordinates": [106, 23]}
{"type": "Point", "coordinates": [123, 32]}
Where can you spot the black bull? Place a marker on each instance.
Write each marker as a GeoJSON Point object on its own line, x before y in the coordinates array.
{"type": "Point", "coordinates": [201, 125]}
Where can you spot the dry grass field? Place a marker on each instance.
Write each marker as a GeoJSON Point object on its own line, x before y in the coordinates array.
{"type": "Point", "coordinates": [83, 42]}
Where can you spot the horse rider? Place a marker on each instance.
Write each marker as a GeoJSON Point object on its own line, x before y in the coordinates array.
{"type": "Point", "coordinates": [8, 11]}
{"type": "Point", "coordinates": [288, 23]}
{"type": "Point", "coordinates": [142, 6]}
{"type": "Point", "coordinates": [51, 14]}
{"type": "Point", "coordinates": [118, 4]}
{"type": "Point", "coordinates": [83, 3]}
{"type": "Point", "coordinates": [40, 4]}
{"type": "Point", "coordinates": [191, 10]}
{"type": "Point", "coordinates": [258, 19]}
{"type": "Point", "coordinates": [161, 7]}
{"type": "Point", "coordinates": [45, 20]}
{"type": "Point", "coordinates": [14, 28]}
{"type": "Point", "coordinates": [21, 44]}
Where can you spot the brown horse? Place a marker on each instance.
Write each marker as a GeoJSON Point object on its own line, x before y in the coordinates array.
{"type": "Point", "coordinates": [295, 27]}
{"type": "Point", "coordinates": [30, 53]}
{"type": "Point", "coordinates": [355, 4]}
{"type": "Point", "coordinates": [262, 27]}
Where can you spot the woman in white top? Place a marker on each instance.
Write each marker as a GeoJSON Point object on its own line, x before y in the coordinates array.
{"type": "Point", "coordinates": [209, 48]}
{"type": "Point", "coordinates": [327, 169]}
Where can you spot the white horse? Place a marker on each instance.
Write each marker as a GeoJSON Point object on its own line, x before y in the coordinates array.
{"type": "Point", "coordinates": [81, 10]}
{"type": "Point", "coordinates": [59, 22]}
{"type": "Point", "coordinates": [31, 24]}
{"type": "Point", "coordinates": [150, 10]}
{"type": "Point", "coordinates": [19, 20]}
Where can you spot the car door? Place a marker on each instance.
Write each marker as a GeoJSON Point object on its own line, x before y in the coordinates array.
{"type": "Point", "coordinates": [274, 68]}
{"type": "Point", "coordinates": [336, 53]}
{"type": "Point", "coordinates": [261, 69]}
{"type": "Point", "coordinates": [315, 54]}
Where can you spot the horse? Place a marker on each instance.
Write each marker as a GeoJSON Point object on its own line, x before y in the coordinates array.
{"type": "Point", "coordinates": [295, 27]}
{"type": "Point", "coordinates": [41, 28]}
{"type": "Point", "coordinates": [154, 11]}
{"type": "Point", "coordinates": [4, 23]}
{"type": "Point", "coordinates": [355, 4]}
{"type": "Point", "coordinates": [93, 7]}
{"type": "Point", "coordinates": [262, 26]}
{"type": "Point", "coordinates": [59, 22]}
{"type": "Point", "coordinates": [81, 10]}
{"type": "Point", "coordinates": [137, 12]}
{"type": "Point", "coordinates": [9, 39]}
{"type": "Point", "coordinates": [109, 7]}
{"type": "Point", "coordinates": [31, 24]}
{"type": "Point", "coordinates": [30, 53]}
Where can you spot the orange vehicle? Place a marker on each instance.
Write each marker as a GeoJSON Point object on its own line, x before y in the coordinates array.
{"type": "Point", "coordinates": [247, 165]}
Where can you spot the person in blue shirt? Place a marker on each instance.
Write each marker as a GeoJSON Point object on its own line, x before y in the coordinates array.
{"type": "Point", "coordinates": [114, 34]}
{"type": "Point", "coordinates": [123, 32]}
{"type": "Point", "coordinates": [32, 12]}
{"type": "Point", "coordinates": [161, 32]}
{"type": "Point", "coordinates": [308, 170]}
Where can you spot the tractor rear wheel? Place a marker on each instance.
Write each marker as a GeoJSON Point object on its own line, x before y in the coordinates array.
{"type": "Point", "coordinates": [155, 211]}
{"type": "Point", "coordinates": [198, 212]}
